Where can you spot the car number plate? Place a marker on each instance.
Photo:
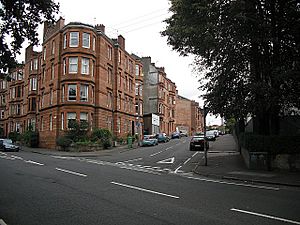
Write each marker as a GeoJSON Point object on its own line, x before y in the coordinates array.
{"type": "Point", "coordinates": [197, 145]}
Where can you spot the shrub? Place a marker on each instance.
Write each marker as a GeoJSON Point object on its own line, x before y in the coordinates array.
{"type": "Point", "coordinates": [30, 138]}
{"type": "Point", "coordinates": [274, 144]}
{"type": "Point", "coordinates": [14, 136]}
{"type": "Point", "coordinates": [78, 131]}
{"type": "Point", "coordinates": [63, 142]}
{"type": "Point", "coordinates": [104, 136]}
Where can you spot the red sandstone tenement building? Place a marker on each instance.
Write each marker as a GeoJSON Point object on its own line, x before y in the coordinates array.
{"type": "Point", "coordinates": [81, 74]}
{"type": "Point", "coordinates": [189, 115]}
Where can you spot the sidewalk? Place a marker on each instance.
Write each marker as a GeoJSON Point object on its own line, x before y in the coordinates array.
{"type": "Point", "coordinates": [225, 162]}
{"type": "Point", "coordinates": [54, 152]}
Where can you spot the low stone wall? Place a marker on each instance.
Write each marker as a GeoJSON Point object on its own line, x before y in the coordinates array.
{"type": "Point", "coordinates": [262, 161]}
{"type": "Point", "coordinates": [84, 148]}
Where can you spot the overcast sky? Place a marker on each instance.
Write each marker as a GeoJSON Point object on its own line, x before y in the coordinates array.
{"type": "Point", "coordinates": [140, 23]}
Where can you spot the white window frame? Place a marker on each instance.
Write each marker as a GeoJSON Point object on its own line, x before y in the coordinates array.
{"type": "Point", "coordinates": [74, 39]}
{"type": "Point", "coordinates": [64, 66]}
{"type": "Point", "coordinates": [73, 64]}
{"type": "Point", "coordinates": [69, 92]}
{"type": "Point", "coordinates": [65, 41]}
{"type": "Point", "coordinates": [62, 120]}
{"type": "Point", "coordinates": [94, 43]}
{"type": "Point", "coordinates": [33, 84]}
{"type": "Point", "coordinates": [84, 92]}
{"type": "Point", "coordinates": [86, 43]}
{"type": "Point", "coordinates": [85, 66]}
{"type": "Point", "coordinates": [50, 122]}
{"type": "Point", "coordinates": [52, 71]}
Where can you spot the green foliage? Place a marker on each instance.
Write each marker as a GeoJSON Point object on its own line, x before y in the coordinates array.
{"type": "Point", "coordinates": [247, 53]}
{"type": "Point", "coordinates": [14, 136]}
{"type": "Point", "coordinates": [104, 136]}
{"type": "Point", "coordinates": [19, 21]}
{"type": "Point", "coordinates": [78, 131]}
{"type": "Point", "coordinates": [30, 138]}
{"type": "Point", "coordinates": [64, 142]}
{"type": "Point", "coordinates": [274, 144]}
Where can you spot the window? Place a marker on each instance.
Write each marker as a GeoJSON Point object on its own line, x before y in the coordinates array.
{"type": "Point", "coordinates": [137, 70]}
{"type": "Point", "coordinates": [35, 64]}
{"type": "Point", "coordinates": [44, 54]}
{"type": "Point", "coordinates": [2, 114]}
{"type": "Point", "coordinates": [50, 122]}
{"type": "Point", "coordinates": [119, 125]}
{"type": "Point", "coordinates": [109, 52]}
{"type": "Point", "coordinates": [109, 123]}
{"type": "Point", "coordinates": [93, 94]}
{"type": "Point", "coordinates": [33, 104]}
{"type": "Point", "coordinates": [109, 75]}
{"type": "Point", "coordinates": [86, 40]}
{"type": "Point", "coordinates": [119, 57]}
{"type": "Point", "coordinates": [33, 84]}
{"type": "Point", "coordinates": [51, 96]}
{"type": "Point", "coordinates": [65, 41]}
{"type": "Point", "coordinates": [18, 109]}
{"type": "Point", "coordinates": [62, 121]}
{"type": "Point", "coordinates": [43, 75]}
{"type": "Point", "coordinates": [20, 75]}
{"type": "Point", "coordinates": [63, 93]}
{"type": "Point", "coordinates": [92, 70]}
{"type": "Point", "coordinates": [52, 71]}
{"type": "Point", "coordinates": [94, 43]}
{"type": "Point", "coordinates": [85, 65]}
{"type": "Point", "coordinates": [71, 117]}
{"type": "Point", "coordinates": [53, 47]}
{"type": "Point", "coordinates": [119, 101]}
{"type": "Point", "coordinates": [84, 89]}
{"type": "Point", "coordinates": [42, 100]}
{"type": "Point", "coordinates": [109, 99]}
{"type": "Point", "coordinates": [64, 66]}
{"type": "Point", "coordinates": [83, 117]}
{"type": "Point", "coordinates": [19, 91]}
{"type": "Point", "coordinates": [120, 79]}
{"type": "Point", "coordinates": [74, 39]}
{"type": "Point", "coordinates": [72, 92]}
{"type": "Point", "coordinates": [73, 64]}
{"type": "Point", "coordinates": [130, 85]}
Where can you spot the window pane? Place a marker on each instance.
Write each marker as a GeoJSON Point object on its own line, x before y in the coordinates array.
{"type": "Point", "coordinates": [85, 65]}
{"type": "Point", "coordinates": [86, 40]}
{"type": "Point", "coordinates": [74, 36]}
{"type": "Point", "coordinates": [73, 64]}
{"type": "Point", "coordinates": [83, 93]}
{"type": "Point", "coordinates": [72, 92]}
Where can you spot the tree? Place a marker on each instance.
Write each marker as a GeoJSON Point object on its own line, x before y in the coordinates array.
{"type": "Point", "coordinates": [251, 49]}
{"type": "Point", "coordinates": [19, 21]}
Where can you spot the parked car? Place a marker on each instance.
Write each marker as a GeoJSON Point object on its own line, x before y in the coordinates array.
{"type": "Point", "coordinates": [162, 137]}
{"type": "Point", "coordinates": [175, 135]}
{"type": "Point", "coordinates": [7, 145]}
{"type": "Point", "coordinates": [198, 142]}
{"type": "Point", "coordinates": [183, 134]}
{"type": "Point", "coordinates": [149, 140]}
{"type": "Point", "coordinates": [210, 135]}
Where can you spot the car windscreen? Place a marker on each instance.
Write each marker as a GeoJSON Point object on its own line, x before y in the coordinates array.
{"type": "Point", "coordinates": [197, 138]}
{"type": "Point", "coordinates": [7, 141]}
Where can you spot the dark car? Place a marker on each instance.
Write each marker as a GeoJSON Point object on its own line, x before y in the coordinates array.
{"type": "Point", "coordinates": [7, 145]}
{"type": "Point", "coordinates": [210, 135]}
{"type": "Point", "coordinates": [197, 143]}
{"type": "Point", "coordinates": [175, 135]}
{"type": "Point", "coordinates": [162, 137]}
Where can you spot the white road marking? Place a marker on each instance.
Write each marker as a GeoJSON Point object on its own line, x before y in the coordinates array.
{"type": "Point", "coordinates": [167, 161]}
{"type": "Point", "coordinates": [6, 157]}
{"type": "Point", "coordinates": [62, 157]}
{"type": "Point", "coordinates": [177, 169]}
{"type": "Point", "coordinates": [265, 216]}
{"type": "Point", "coordinates": [2, 153]}
{"type": "Point", "coordinates": [186, 161]}
{"type": "Point", "coordinates": [17, 157]}
{"type": "Point", "coordinates": [195, 154]}
{"type": "Point", "coordinates": [236, 184]}
{"type": "Point", "coordinates": [2, 222]}
{"type": "Point", "coordinates": [145, 190]}
{"type": "Point", "coordinates": [71, 172]}
{"type": "Point", "coordinates": [161, 151]}
{"type": "Point", "coordinates": [33, 162]}
{"type": "Point", "coordinates": [133, 160]}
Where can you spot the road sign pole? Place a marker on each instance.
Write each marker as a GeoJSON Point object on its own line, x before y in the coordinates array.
{"type": "Point", "coordinates": [204, 129]}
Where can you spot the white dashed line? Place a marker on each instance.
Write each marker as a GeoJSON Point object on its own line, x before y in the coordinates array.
{"type": "Point", "coordinates": [177, 169]}
{"type": "Point", "coordinates": [145, 190]}
{"type": "Point", "coordinates": [186, 161]}
{"type": "Point", "coordinates": [266, 216]}
{"type": "Point", "coordinates": [2, 222]}
{"type": "Point", "coordinates": [133, 160]}
{"type": "Point", "coordinates": [71, 172]}
{"type": "Point", "coordinates": [33, 162]}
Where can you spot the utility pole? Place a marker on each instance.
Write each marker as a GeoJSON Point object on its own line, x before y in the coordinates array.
{"type": "Point", "coordinates": [204, 129]}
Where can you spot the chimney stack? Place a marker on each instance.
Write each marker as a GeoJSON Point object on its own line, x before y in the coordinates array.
{"type": "Point", "coordinates": [121, 41]}
{"type": "Point", "coordinates": [100, 27]}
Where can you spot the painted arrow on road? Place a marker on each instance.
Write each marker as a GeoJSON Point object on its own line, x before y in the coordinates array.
{"type": "Point", "coordinates": [167, 161]}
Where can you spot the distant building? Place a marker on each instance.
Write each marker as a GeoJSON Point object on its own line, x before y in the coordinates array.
{"type": "Point", "coordinates": [189, 115]}
{"type": "Point", "coordinates": [159, 96]}
{"type": "Point", "coordinates": [81, 74]}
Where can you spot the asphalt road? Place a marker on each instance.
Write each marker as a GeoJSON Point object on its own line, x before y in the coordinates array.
{"type": "Point", "coordinates": [149, 185]}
